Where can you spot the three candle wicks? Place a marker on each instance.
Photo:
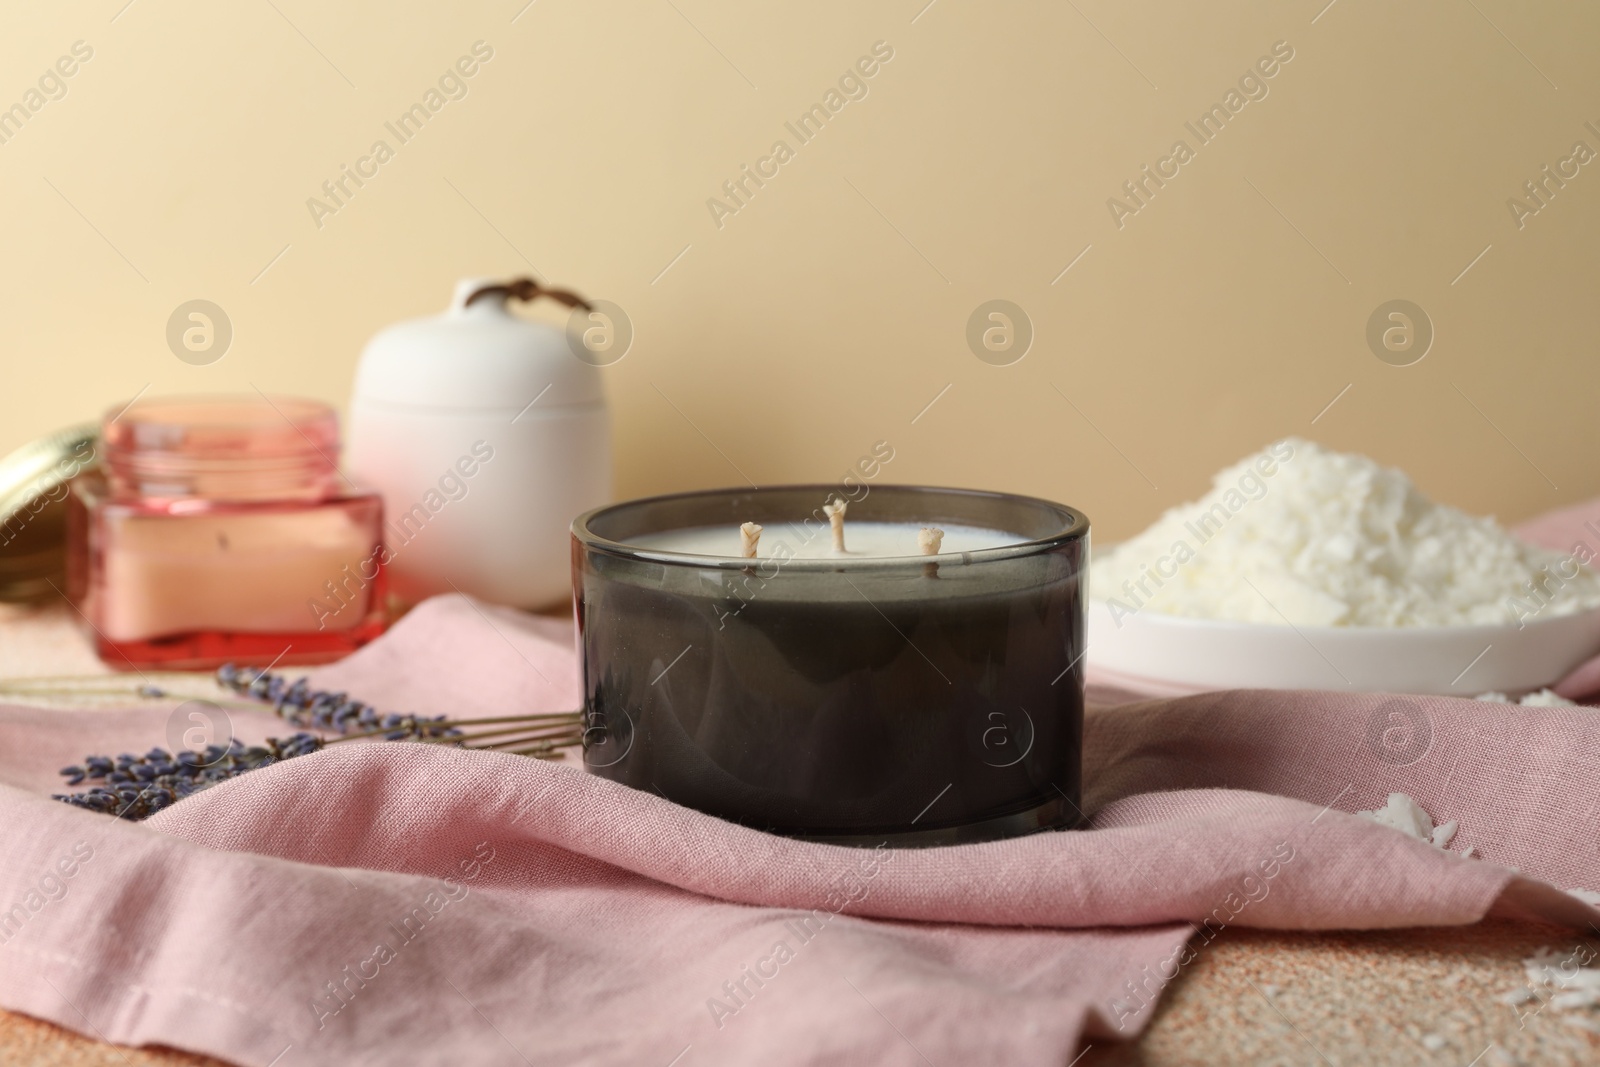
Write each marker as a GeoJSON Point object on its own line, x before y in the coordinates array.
{"type": "Point", "coordinates": [929, 538]}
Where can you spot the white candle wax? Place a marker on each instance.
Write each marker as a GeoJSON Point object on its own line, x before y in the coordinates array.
{"type": "Point", "coordinates": [229, 571]}
{"type": "Point", "coordinates": [862, 540]}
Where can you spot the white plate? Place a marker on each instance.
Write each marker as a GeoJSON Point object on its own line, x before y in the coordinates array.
{"type": "Point", "coordinates": [1172, 654]}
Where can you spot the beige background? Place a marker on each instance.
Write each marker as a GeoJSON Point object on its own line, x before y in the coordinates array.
{"type": "Point", "coordinates": [829, 311]}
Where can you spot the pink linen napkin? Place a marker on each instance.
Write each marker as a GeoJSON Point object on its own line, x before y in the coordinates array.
{"type": "Point", "coordinates": [1575, 531]}
{"type": "Point", "coordinates": [387, 902]}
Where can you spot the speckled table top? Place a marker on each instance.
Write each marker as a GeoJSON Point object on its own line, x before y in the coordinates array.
{"type": "Point", "coordinates": [1420, 996]}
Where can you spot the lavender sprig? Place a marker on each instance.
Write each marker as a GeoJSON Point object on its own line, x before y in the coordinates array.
{"type": "Point", "coordinates": [319, 709]}
{"type": "Point", "coordinates": [137, 787]}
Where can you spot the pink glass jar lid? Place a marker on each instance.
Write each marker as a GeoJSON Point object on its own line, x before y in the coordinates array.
{"type": "Point", "coordinates": [238, 447]}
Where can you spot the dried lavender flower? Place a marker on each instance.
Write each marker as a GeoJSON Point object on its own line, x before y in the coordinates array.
{"type": "Point", "coordinates": [139, 786]}
{"type": "Point", "coordinates": [319, 709]}
{"type": "Point", "coordinates": [135, 787]}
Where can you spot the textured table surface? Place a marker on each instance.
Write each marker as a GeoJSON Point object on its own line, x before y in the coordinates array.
{"type": "Point", "coordinates": [1428, 996]}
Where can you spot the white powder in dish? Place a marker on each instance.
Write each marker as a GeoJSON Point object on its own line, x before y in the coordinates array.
{"type": "Point", "coordinates": [1302, 534]}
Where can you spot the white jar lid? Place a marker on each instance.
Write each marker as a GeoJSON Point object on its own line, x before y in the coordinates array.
{"type": "Point", "coordinates": [477, 357]}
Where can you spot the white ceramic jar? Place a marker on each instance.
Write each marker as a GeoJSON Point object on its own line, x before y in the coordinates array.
{"type": "Point", "coordinates": [486, 436]}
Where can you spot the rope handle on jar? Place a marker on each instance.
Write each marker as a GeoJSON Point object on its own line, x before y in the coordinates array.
{"type": "Point", "coordinates": [526, 289]}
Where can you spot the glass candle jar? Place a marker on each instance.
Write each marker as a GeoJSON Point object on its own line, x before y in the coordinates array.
{"type": "Point", "coordinates": [870, 695]}
{"type": "Point", "coordinates": [219, 529]}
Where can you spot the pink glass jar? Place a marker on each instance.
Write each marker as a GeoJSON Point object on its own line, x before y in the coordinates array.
{"type": "Point", "coordinates": [219, 529]}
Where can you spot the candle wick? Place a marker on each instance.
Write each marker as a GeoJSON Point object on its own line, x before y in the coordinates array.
{"type": "Point", "coordinates": [835, 510]}
{"type": "Point", "coordinates": [749, 535]}
{"type": "Point", "coordinates": [929, 538]}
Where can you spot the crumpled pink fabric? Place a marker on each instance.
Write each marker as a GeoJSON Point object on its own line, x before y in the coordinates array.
{"type": "Point", "coordinates": [384, 902]}
{"type": "Point", "coordinates": [1567, 530]}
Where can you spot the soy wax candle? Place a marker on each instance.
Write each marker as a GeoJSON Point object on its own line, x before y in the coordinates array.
{"type": "Point", "coordinates": [903, 667]}
{"type": "Point", "coordinates": [220, 529]}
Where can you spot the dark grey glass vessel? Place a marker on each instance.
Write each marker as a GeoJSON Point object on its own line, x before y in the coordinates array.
{"type": "Point", "coordinates": [918, 700]}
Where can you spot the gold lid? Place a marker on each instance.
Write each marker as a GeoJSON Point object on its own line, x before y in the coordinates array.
{"type": "Point", "coordinates": [33, 494]}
